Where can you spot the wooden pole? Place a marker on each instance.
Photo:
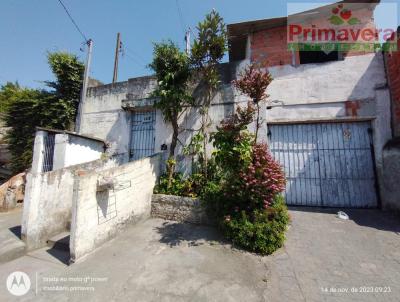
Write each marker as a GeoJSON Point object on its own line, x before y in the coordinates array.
{"type": "Point", "coordinates": [117, 48]}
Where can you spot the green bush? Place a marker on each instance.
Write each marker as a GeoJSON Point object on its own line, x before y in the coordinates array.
{"type": "Point", "coordinates": [262, 231]}
{"type": "Point", "coordinates": [179, 186]}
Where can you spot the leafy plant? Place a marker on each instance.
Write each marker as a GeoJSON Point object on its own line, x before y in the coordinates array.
{"type": "Point", "coordinates": [207, 52]}
{"type": "Point", "coordinates": [27, 109]}
{"type": "Point", "coordinates": [233, 142]}
{"type": "Point", "coordinates": [254, 83]}
{"type": "Point", "coordinates": [246, 199]}
{"type": "Point", "coordinates": [172, 70]}
{"type": "Point", "coordinates": [260, 231]}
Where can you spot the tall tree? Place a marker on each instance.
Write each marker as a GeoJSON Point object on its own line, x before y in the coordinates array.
{"type": "Point", "coordinates": [29, 108]}
{"type": "Point", "coordinates": [68, 71]}
{"type": "Point", "coordinates": [207, 52]}
{"type": "Point", "coordinates": [254, 83]}
{"type": "Point", "coordinates": [172, 69]}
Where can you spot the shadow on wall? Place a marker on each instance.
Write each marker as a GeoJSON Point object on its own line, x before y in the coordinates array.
{"type": "Point", "coordinates": [177, 233]}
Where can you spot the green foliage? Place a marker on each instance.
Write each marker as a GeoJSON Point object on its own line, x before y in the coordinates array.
{"type": "Point", "coordinates": [178, 186]}
{"type": "Point", "coordinates": [245, 199]}
{"type": "Point", "coordinates": [11, 92]}
{"type": "Point", "coordinates": [207, 52]}
{"type": "Point", "coordinates": [68, 71]}
{"type": "Point", "coordinates": [209, 48]}
{"type": "Point", "coordinates": [233, 142]}
{"type": "Point", "coordinates": [172, 70]}
{"type": "Point", "coordinates": [27, 109]}
{"type": "Point", "coordinates": [261, 231]}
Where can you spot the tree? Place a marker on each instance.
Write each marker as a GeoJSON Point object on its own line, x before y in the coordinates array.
{"type": "Point", "coordinates": [68, 71]}
{"type": "Point", "coordinates": [30, 108]}
{"type": "Point", "coordinates": [207, 52]}
{"type": "Point", "coordinates": [254, 83]}
{"type": "Point", "coordinates": [172, 70]}
{"type": "Point", "coordinates": [10, 92]}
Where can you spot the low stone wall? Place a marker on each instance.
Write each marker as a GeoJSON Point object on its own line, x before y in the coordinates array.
{"type": "Point", "coordinates": [178, 208]}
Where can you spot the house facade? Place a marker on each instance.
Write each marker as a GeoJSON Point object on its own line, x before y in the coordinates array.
{"type": "Point", "coordinates": [326, 120]}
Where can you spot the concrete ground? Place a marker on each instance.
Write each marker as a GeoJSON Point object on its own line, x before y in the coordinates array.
{"type": "Point", "coordinates": [167, 261]}
{"type": "Point", "coordinates": [11, 246]}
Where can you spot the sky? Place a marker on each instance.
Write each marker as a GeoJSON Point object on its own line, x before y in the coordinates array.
{"type": "Point", "coordinates": [31, 28]}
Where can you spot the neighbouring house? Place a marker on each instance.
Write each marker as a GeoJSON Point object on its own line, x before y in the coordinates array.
{"type": "Point", "coordinates": [327, 120]}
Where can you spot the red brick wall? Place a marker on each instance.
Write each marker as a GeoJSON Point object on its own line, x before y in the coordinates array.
{"type": "Point", "coordinates": [269, 47]}
{"type": "Point", "coordinates": [393, 73]}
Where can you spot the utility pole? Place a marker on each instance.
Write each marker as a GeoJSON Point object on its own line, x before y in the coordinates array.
{"type": "Point", "coordinates": [89, 43]}
{"type": "Point", "coordinates": [187, 39]}
{"type": "Point", "coordinates": [117, 48]}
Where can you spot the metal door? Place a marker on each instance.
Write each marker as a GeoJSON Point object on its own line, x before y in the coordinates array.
{"type": "Point", "coordinates": [142, 134]}
{"type": "Point", "coordinates": [326, 164]}
{"type": "Point", "coordinates": [48, 152]}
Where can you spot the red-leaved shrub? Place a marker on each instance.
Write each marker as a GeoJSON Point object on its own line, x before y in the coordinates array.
{"type": "Point", "coordinates": [256, 186]}
{"type": "Point", "coordinates": [264, 178]}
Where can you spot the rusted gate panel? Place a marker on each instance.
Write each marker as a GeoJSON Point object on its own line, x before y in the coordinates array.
{"type": "Point", "coordinates": [326, 164]}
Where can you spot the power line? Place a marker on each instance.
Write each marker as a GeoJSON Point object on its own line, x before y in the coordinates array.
{"type": "Point", "coordinates": [73, 21]}
{"type": "Point", "coordinates": [125, 51]}
{"type": "Point", "coordinates": [182, 21]}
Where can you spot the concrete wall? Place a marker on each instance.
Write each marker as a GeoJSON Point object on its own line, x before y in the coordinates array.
{"type": "Point", "coordinates": [72, 150]}
{"type": "Point", "coordinates": [109, 199]}
{"type": "Point", "coordinates": [69, 150]}
{"type": "Point", "coordinates": [355, 78]}
{"type": "Point", "coordinates": [48, 202]}
{"type": "Point", "coordinates": [391, 176]}
{"type": "Point", "coordinates": [178, 208]}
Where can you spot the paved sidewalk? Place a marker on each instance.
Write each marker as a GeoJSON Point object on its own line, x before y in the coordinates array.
{"type": "Point", "coordinates": [327, 259]}
{"type": "Point", "coordinates": [11, 247]}
{"type": "Point", "coordinates": [167, 261]}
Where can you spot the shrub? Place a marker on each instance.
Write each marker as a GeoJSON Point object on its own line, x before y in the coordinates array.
{"type": "Point", "coordinates": [178, 186]}
{"type": "Point", "coordinates": [258, 183]}
{"type": "Point", "coordinates": [246, 200]}
{"type": "Point", "coordinates": [260, 231]}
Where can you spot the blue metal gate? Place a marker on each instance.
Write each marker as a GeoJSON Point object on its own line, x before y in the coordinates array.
{"type": "Point", "coordinates": [326, 164]}
{"type": "Point", "coordinates": [142, 134]}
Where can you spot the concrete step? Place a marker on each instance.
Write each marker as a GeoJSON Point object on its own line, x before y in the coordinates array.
{"type": "Point", "coordinates": [60, 241]}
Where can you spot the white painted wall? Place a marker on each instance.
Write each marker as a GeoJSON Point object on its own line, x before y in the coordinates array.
{"type": "Point", "coordinates": [48, 201]}
{"type": "Point", "coordinates": [98, 216]}
{"type": "Point", "coordinates": [354, 78]}
{"type": "Point", "coordinates": [72, 150]}
{"type": "Point", "coordinates": [38, 149]}
{"type": "Point", "coordinates": [47, 206]}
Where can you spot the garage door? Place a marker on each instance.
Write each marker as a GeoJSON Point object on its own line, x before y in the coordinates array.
{"type": "Point", "coordinates": [326, 164]}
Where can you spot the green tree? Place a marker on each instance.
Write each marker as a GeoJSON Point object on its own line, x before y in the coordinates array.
{"type": "Point", "coordinates": [27, 109]}
{"type": "Point", "coordinates": [172, 69]}
{"type": "Point", "coordinates": [207, 52]}
{"type": "Point", "coordinates": [11, 92]}
{"type": "Point", "coordinates": [68, 71]}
